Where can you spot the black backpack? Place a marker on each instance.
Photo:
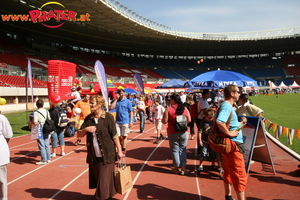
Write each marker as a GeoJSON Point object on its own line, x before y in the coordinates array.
{"type": "Point", "coordinates": [49, 125]}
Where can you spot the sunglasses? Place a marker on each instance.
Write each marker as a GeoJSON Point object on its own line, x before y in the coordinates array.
{"type": "Point", "coordinates": [237, 92]}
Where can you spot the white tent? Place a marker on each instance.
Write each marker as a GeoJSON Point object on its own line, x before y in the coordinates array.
{"type": "Point", "coordinates": [282, 85]}
{"type": "Point", "coordinates": [272, 85]}
{"type": "Point", "coordinates": [295, 85]}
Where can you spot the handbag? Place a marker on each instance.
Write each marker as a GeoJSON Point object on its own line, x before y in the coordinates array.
{"type": "Point", "coordinates": [217, 141]}
{"type": "Point", "coordinates": [123, 180]}
{"type": "Point", "coordinates": [36, 131]}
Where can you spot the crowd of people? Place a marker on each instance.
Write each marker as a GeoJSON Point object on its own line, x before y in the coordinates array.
{"type": "Point", "coordinates": [107, 135]}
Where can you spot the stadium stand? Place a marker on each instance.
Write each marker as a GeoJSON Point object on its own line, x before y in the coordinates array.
{"type": "Point", "coordinates": [19, 81]}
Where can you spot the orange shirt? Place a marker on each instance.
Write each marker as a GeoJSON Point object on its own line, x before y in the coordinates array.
{"type": "Point", "coordinates": [85, 108]}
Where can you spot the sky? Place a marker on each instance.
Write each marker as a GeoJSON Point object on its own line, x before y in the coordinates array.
{"type": "Point", "coordinates": [219, 16]}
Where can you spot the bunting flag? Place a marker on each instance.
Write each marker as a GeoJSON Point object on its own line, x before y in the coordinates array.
{"type": "Point", "coordinates": [285, 131]}
{"type": "Point", "coordinates": [101, 76]}
{"type": "Point", "coordinates": [138, 80]}
{"type": "Point", "coordinates": [279, 131]}
{"type": "Point", "coordinates": [290, 137]}
{"type": "Point", "coordinates": [275, 131]}
{"type": "Point", "coordinates": [297, 134]}
{"type": "Point", "coordinates": [267, 123]}
{"type": "Point", "coordinates": [272, 128]}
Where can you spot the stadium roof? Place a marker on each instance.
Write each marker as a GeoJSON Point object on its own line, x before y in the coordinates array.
{"type": "Point", "coordinates": [114, 28]}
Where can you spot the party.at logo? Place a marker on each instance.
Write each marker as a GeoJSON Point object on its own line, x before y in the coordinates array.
{"type": "Point", "coordinates": [42, 16]}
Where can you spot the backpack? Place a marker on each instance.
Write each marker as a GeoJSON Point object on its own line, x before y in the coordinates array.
{"type": "Point", "coordinates": [62, 118]}
{"type": "Point", "coordinates": [181, 123]}
{"type": "Point", "coordinates": [49, 125]}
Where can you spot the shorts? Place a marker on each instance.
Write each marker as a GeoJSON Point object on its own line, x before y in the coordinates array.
{"type": "Point", "coordinates": [122, 129]}
{"type": "Point", "coordinates": [158, 124]}
{"type": "Point", "coordinates": [206, 153]}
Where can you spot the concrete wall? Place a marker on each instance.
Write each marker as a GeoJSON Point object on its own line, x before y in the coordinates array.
{"type": "Point", "coordinates": [18, 92]}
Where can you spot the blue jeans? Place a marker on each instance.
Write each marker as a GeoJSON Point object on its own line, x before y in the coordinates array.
{"type": "Point", "coordinates": [44, 147]}
{"type": "Point", "coordinates": [142, 121]}
{"type": "Point", "coordinates": [58, 135]}
{"type": "Point", "coordinates": [178, 143]}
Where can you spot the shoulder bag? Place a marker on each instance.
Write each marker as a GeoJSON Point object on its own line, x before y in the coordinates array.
{"type": "Point", "coordinates": [218, 141]}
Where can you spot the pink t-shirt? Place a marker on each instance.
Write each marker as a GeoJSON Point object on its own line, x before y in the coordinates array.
{"type": "Point", "coordinates": [171, 119]}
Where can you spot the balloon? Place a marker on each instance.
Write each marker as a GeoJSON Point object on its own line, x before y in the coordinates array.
{"type": "Point", "coordinates": [2, 101]}
{"type": "Point", "coordinates": [54, 98]}
{"type": "Point", "coordinates": [77, 110]}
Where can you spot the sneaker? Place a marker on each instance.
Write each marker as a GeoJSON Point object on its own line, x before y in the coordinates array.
{"type": "Point", "coordinates": [42, 163]}
{"type": "Point", "coordinates": [156, 141]}
{"type": "Point", "coordinates": [200, 168]}
{"type": "Point", "coordinates": [53, 155]}
{"type": "Point", "coordinates": [77, 142]}
{"type": "Point", "coordinates": [161, 137]}
{"type": "Point", "coordinates": [48, 161]}
{"type": "Point", "coordinates": [63, 153]}
{"type": "Point", "coordinates": [213, 167]}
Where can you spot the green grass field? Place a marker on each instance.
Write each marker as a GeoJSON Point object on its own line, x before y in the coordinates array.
{"type": "Point", "coordinates": [283, 111]}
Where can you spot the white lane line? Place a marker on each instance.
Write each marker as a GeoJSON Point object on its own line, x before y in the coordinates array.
{"type": "Point", "coordinates": [42, 166]}
{"type": "Point", "coordinates": [62, 189]}
{"type": "Point", "coordinates": [13, 159]}
{"type": "Point", "coordinates": [33, 141]}
{"type": "Point", "coordinates": [197, 179]}
{"type": "Point", "coordinates": [141, 169]}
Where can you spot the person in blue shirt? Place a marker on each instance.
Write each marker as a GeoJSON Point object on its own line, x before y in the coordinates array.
{"type": "Point", "coordinates": [233, 162]}
{"type": "Point", "coordinates": [124, 116]}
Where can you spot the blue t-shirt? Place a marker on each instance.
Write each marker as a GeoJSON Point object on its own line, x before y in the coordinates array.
{"type": "Point", "coordinates": [123, 108]}
{"type": "Point", "coordinates": [223, 116]}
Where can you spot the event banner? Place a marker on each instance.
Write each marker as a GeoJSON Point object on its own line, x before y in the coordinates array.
{"type": "Point", "coordinates": [101, 76]}
{"type": "Point", "coordinates": [61, 75]}
{"type": "Point", "coordinates": [138, 80]}
{"type": "Point", "coordinates": [29, 78]}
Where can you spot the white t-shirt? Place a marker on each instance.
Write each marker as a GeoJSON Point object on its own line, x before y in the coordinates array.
{"type": "Point", "coordinates": [183, 98]}
{"type": "Point", "coordinates": [141, 105]}
{"type": "Point", "coordinates": [158, 112]}
{"type": "Point", "coordinates": [202, 104]}
{"type": "Point", "coordinates": [37, 117]}
{"type": "Point", "coordinates": [96, 144]}
{"type": "Point", "coordinates": [5, 132]}
{"type": "Point", "coordinates": [76, 96]}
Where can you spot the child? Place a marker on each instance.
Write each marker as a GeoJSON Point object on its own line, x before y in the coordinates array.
{"type": "Point", "coordinates": [157, 112]}
{"type": "Point", "coordinates": [203, 147]}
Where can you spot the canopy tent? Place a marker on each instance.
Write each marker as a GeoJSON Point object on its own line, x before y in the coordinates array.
{"type": "Point", "coordinates": [97, 90]}
{"type": "Point", "coordinates": [272, 85]}
{"type": "Point", "coordinates": [282, 85]}
{"type": "Point", "coordinates": [151, 90]}
{"type": "Point", "coordinates": [130, 91]}
{"type": "Point", "coordinates": [295, 85]}
{"type": "Point", "coordinates": [174, 83]}
{"type": "Point", "coordinates": [220, 79]}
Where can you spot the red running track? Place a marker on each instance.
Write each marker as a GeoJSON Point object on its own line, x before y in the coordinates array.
{"type": "Point", "coordinates": [67, 177]}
